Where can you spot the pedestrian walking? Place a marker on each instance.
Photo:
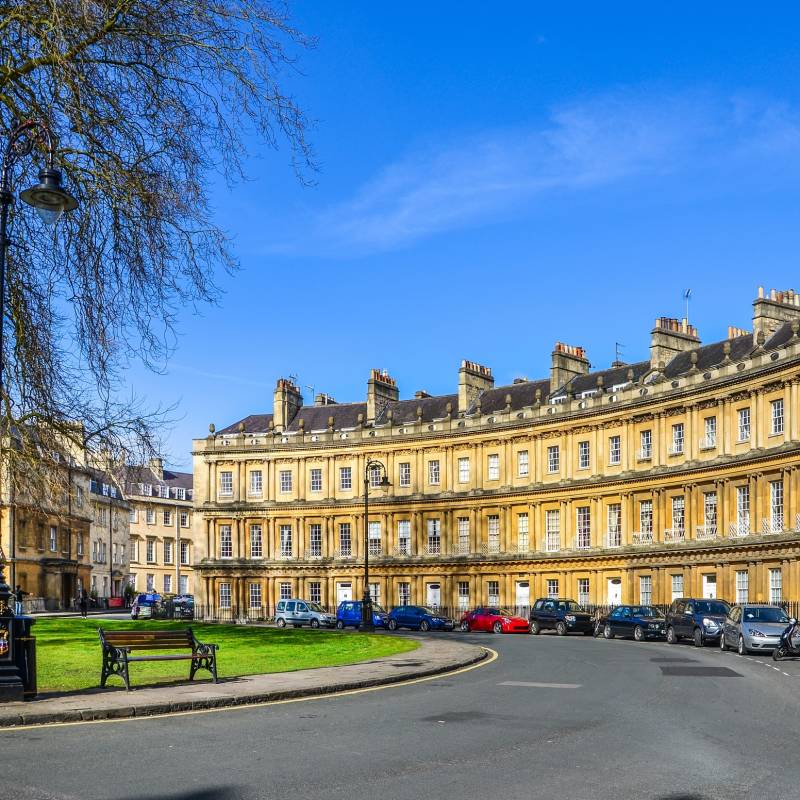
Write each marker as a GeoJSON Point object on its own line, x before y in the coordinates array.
{"type": "Point", "coordinates": [82, 603]}
{"type": "Point", "coordinates": [18, 595]}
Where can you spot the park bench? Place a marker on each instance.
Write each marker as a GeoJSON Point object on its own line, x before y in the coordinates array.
{"type": "Point", "coordinates": [118, 646]}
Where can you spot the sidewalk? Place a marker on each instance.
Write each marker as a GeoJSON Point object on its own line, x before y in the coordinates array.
{"type": "Point", "coordinates": [434, 656]}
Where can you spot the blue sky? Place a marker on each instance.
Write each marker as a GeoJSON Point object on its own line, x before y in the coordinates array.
{"type": "Point", "coordinates": [494, 179]}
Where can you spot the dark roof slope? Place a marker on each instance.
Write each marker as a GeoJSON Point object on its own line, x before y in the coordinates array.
{"type": "Point", "coordinates": [405, 411]}
{"type": "Point", "coordinates": [315, 418]}
{"type": "Point", "coordinates": [522, 394]}
{"type": "Point", "coordinates": [255, 423]}
{"type": "Point", "coordinates": [710, 355]}
{"type": "Point", "coordinates": [614, 376]}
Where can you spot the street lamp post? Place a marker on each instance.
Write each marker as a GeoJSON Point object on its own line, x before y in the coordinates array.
{"type": "Point", "coordinates": [50, 201]}
{"type": "Point", "coordinates": [367, 624]}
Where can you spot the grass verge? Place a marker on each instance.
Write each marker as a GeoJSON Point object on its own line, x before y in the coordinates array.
{"type": "Point", "coordinates": [69, 654]}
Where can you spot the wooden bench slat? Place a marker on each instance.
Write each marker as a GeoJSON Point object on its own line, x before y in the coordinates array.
{"type": "Point", "coordinates": [160, 658]}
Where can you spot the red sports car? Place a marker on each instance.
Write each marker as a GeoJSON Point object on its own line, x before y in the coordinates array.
{"type": "Point", "coordinates": [496, 620]}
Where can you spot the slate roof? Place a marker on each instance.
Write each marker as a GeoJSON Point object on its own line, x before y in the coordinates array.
{"type": "Point", "coordinates": [142, 473]}
{"type": "Point", "coordinates": [523, 393]}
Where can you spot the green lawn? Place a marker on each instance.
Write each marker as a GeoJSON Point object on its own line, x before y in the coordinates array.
{"type": "Point", "coordinates": [69, 655]}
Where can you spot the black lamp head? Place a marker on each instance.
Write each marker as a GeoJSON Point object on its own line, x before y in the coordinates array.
{"type": "Point", "coordinates": [48, 197]}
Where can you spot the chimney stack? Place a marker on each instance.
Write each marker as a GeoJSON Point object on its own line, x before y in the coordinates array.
{"type": "Point", "coordinates": [324, 399]}
{"type": "Point", "coordinates": [670, 337]}
{"type": "Point", "coordinates": [734, 332]}
{"type": "Point", "coordinates": [157, 467]}
{"type": "Point", "coordinates": [568, 361]}
{"type": "Point", "coordinates": [381, 389]}
{"type": "Point", "coordinates": [769, 313]}
{"type": "Point", "coordinates": [473, 380]}
{"type": "Point", "coordinates": [287, 402]}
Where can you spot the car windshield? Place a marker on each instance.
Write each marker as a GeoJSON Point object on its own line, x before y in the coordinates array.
{"type": "Point", "coordinates": [429, 611]}
{"type": "Point", "coordinates": [376, 609]}
{"type": "Point", "coordinates": [315, 607]}
{"type": "Point", "coordinates": [711, 607]}
{"type": "Point", "coordinates": [570, 606]}
{"type": "Point", "coordinates": [646, 611]}
{"type": "Point", "coordinates": [764, 614]}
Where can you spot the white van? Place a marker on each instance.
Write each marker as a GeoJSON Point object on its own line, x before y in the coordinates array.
{"type": "Point", "coordinates": [302, 612]}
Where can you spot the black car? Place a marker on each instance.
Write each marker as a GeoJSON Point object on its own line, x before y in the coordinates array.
{"type": "Point", "coordinates": [696, 618]}
{"type": "Point", "coordinates": [563, 616]}
{"type": "Point", "coordinates": [640, 622]}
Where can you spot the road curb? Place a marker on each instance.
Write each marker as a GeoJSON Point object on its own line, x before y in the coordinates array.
{"type": "Point", "coordinates": [128, 710]}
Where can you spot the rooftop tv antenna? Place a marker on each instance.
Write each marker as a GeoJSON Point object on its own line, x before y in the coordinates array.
{"type": "Point", "coordinates": [687, 295]}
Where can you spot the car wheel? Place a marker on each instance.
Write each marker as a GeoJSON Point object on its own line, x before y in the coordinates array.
{"type": "Point", "coordinates": [280, 622]}
{"type": "Point", "coordinates": [535, 628]}
{"type": "Point", "coordinates": [740, 648]}
{"type": "Point", "coordinates": [777, 653]}
{"type": "Point", "coordinates": [315, 623]}
{"type": "Point", "coordinates": [392, 624]}
{"type": "Point", "coordinates": [465, 626]}
{"type": "Point", "coordinates": [722, 645]}
{"type": "Point", "coordinates": [638, 633]}
{"type": "Point", "coordinates": [607, 633]}
{"type": "Point", "coordinates": [339, 624]}
{"type": "Point", "coordinates": [497, 627]}
{"type": "Point", "coordinates": [561, 629]}
{"type": "Point", "coordinates": [424, 626]}
{"type": "Point", "coordinates": [671, 637]}
{"type": "Point", "coordinates": [698, 637]}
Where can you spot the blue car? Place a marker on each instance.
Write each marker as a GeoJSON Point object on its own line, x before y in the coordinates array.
{"type": "Point", "coordinates": [418, 618]}
{"type": "Point", "coordinates": [349, 614]}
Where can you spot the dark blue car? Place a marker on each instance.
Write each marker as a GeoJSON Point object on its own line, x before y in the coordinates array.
{"type": "Point", "coordinates": [349, 614]}
{"type": "Point", "coordinates": [418, 618]}
{"type": "Point", "coordinates": [640, 622]}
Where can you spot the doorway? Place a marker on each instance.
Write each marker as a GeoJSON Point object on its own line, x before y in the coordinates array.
{"type": "Point", "coordinates": [614, 591]}
{"type": "Point", "coordinates": [710, 586]}
{"type": "Point", "coordinates": [344, 592]}
{"type": "Point", "coordinates": [434, 595]}
{"type": "Point", "coordinates": [522, 596]}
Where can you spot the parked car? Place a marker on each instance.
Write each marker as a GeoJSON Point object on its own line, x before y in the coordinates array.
{"type": "Point", "coordinates": [753, 627]}
{"type": "Point", "coordinates": [418, 618]}
{"type": "Point", "coordinates": [349, 614]}
{"type": "Point", "coordinates": [696, 618]}
{"type": "Point", "coordinates": [493, 619]}
{"type": "Point", "coordinates": [183, 606]}
{"type": "Point", "coordinates": [640, 622]}
{"type": "Point", "coordinates": [145, 605]}
{"type": "Point", "coordinates": [302, 612]}
{"type": "Point", "coordinates": [562, 616]}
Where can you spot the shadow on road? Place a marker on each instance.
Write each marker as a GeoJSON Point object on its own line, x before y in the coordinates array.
{"type": "Point", "coordinates": [214, 793]}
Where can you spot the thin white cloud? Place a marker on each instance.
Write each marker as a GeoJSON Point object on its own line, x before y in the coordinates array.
{"type": "Point", "coordinates": [583, 145]}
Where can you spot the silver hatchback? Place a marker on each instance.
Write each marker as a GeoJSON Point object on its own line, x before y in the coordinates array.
{"type": "Point", "coordinates": [753, 627]}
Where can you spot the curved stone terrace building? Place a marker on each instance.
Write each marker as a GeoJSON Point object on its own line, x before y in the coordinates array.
{"type": "Point", "coordinates": [679, 475]}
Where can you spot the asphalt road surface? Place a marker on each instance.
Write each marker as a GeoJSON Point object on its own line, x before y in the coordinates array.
{"type": "Point", "coordinates": [566, 718]}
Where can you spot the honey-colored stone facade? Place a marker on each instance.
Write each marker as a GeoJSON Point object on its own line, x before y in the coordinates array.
{"type": "Point", "coordinates": [711, 506]}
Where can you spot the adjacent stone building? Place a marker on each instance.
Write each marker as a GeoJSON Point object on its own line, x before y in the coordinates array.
{"type": "Point", "coordinates": [677, 475]}
{"type": "Point", "coordinates": [161, 540]}
{"type": "Point", "coordinates": [109, 536]}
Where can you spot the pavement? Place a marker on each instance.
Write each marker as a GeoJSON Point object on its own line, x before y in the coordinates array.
{"type": "Point", "coordinates": [434, 655]}
{"type": "Point", "coordinates": [553, 717]}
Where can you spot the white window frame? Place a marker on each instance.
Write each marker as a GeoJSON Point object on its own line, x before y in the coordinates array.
{"type": "Point", "coordinates": [254, 594]}
{"type": "Point", "coordinates": [646, 590]}
{"type": "Point", "coordinates": [742, 586]}
{"type": "Point", "coordinates": [226, 484]}
{"type": "Point", "coordinates": [583, 591]}
{"type": "Point", "coordinates": [434, 536]}
{"type": "Point", "coordinates": [614, 450]}
{"type": "Point", "coordinates": [646, 516]}
{"type": "Point", "coordinates": [523, 533]}
{"type": "Point", "coordinates": [404, 593]}
{"type": "Point", "coordinates": [493, 533]}
{"type": "Point", "coordinates": [493, 467]}
{"type": "Point", "coordinates": [676, 582]}
{"type": "Point", "coordinates": [315, 591]}
{"type": "Point", "coordinates": [584, 455]}
{"type": "Point", "coordinates": [225, 595]}
{"type": "Point", "coordinates": [405, 474]}
{"type": "Point", "coordinates": [256, 541]}
{"type": "Point", "coordinates": [434, 475]}
{"type": "Point", "coordinates": [315, 479]}
{"type": "Point", "coordinates": [463, 595]}
{"type": "Point", "coordinates": [345, 478]}
{"type": "Point", "coordinates": [775, 585]}
{"type": "Point", "coordinates": [315, 539]}
{"type": "Point", "coordinates": [646, 443]}
{"type": "Point", "coordinates": [225, 541]}
{"type": "Point", "coordinates": [285, 481]}
{"type": "Point", "coordinates": [776, 506]}
{"type": "Point", "coordinates": [285, 590]}
{"type": "Point", "coordinates": [404, 537]}
{"type": "Point", "coordinates": [286, 540]}
{"type": "Point", "coordinates": [743, 427]}
{"type": "Point", "coordinates": [463, 535]}
{"type": "Point", "coordinates": [553, 459]}
{"type": "Point", "coordinates": [552, 519]}
{"type": "Point", "coordinates": [678, 441]}
{"type": "Point", "coordinates": [463, 469]}
{"type": "Point", "coordinates": [552, 588]}
{"type": "Point", "coordinates": [523, 464]}
{"type": "Point", "coordinates": [493, 593]}
{"type": "Point", "coordinates": [583, 527]}
{"type": "Point", "coordinates": [776, 417]}
{"type": "Point", "coordinates": [679, 513]}
{"type": "Point", "coordinates": [256, 483]}
{"type": "Point", "coordinates": [185, 551]}
{"type": "Point", "coordinates": [374, 537]}
{"type": "Point", "coordinates": [345, 541]}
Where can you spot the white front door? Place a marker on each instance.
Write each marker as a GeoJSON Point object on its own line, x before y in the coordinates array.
{"type": "Point", "coordinates": [434, 595]}
{"type": "Point", "coordinates": [344, 592]}
{"type": "Point", "coordinates": [614, 591]}
{"type": "Point", "coordinates": [523, 594]}
{"type": "Point", "coordinates": [710, 586]}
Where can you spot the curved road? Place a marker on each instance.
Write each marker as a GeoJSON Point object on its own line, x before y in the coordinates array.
{"type": "Point", "coordinates": [553, 717]}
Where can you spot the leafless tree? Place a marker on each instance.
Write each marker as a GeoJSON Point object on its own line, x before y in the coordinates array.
{"type": "Point", "coordinates": [147, 100]}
